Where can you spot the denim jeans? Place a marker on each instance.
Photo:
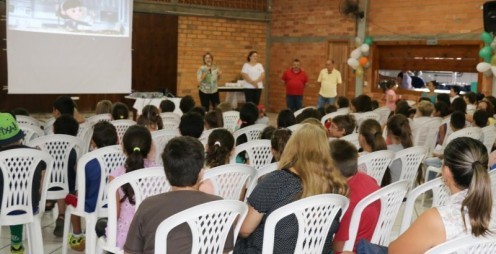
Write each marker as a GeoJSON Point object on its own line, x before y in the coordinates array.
{"type": "Point", "coordinates": [294, 102]}
{"type": "Point", "coordinates": [324, 101]}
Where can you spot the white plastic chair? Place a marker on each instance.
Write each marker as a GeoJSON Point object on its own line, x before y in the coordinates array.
{"type": "Point", "coordinates": [48, 126]}
{"type": "Point", "coordinates": [410, 161]}
{"type": "Point", "coordinates": [231, 119]}
{"type": "Point", "coordinates": [18, 169]}
{"type": "Point", "coordinates": [299, 111]}
{"type": "Point", "coordinates": [376, 163]}
{"type": "Point", "coordinates": [440, 195]}
{"type": "Point", "coordinates": [467, 244]}
{"type": "Point", "coordinates": [352, 138]}
{"type": "Point", "coordinates": [391, 198]}
{"type": "Point", "coordinates": [360, 117]}
{"type": "Point", "coordinates": [295, 127]}
{"type": "Point", "coordinates": [109, 158]}
{"type": "Point", "coordinates": [492, 174]}
{"type": "Point", "coordinates": [85, 132]}
{"type": "Point", "coordinates": [59, 146]}
{"type": "Point", "coordinates": [252, 132]}
{"type": "Point", "coordinates": [259, 153]}
{"type": "Point", "coordinates": [29, 120]}
{"type": "Point", "coordinates": [121, 127]}
{"type": "Point", "coordinates": [30, 132]}
{"type": "Point", "coordinates": [345, 110]}
{"type": "Point", "coordinates": [324, 119]}
{"type": "Point", "coordinates": [210, 224]}
{"type": "Point", "coordinates": [145, 183]}
{"type": "Point", "coordinates": [383, 113]}
{"type": "Point", "coordinates": [425, 134]}
{"type": "Point", "coordinates": [489, 133]}
{"type": "Point", "coordinates": [230, 180]}
{"type": "Point", "coordinates": [471, 132]}
{"type": "Point", "coordinates": [92, 120]}
{"type": "Point", "coordinates": [314, 214]}
{"type": "Point", "coordinates": [261, 172]}
{"type": "Point", "coordinates": [160, 139]}
{"type": "Point", "coordinates": [170, 120]}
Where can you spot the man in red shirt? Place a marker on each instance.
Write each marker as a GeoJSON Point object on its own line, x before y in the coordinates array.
{"type": "Point", "coordinates": [345, 156]}
{"type": "Point", "coordinates": [295, 80]}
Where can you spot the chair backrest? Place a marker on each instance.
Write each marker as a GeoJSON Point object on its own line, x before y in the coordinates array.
{"type": "Point", "coordinates": [314, 214]}
{"type": "Point", "coordinates": [59, 146]}
{"type": "Point", "coordinates": [467, 244]}
{"type": "Point", "coordinates": [260, 173]}
{"type": "Point", "coordinates": [391, 198]}
{"type": "Point", "coordinates": [170, 120]}
{"type": "Point", "coordinates": [352, 138]}
{"type": "Point", "coordinates": [492, 174]}
{"type": "Point", "coordinates": [145, 182]}
{"type": "Point", "coordinates": [18, 169]}
{"type": "Point", "coordinates": [252, 132]}
{"type": "Point", "coordinates": [48, 126]}
{"type": "Point", "coordinates": [160, 139]}
{"type": "Point", "coordinates": [410, 161]}
{"type": "Point", "coordinates": [324, 119]}
{"type": "Point", "coordinates": [425, 134]}
{"type": "Point", "coordinates": [471, 132]}
{"type": "Point", "coordinates": [299, 111]}
{"type": "Point", "coordinates": [210, 224]}
{"type": "Point", "coordinates": [230, 180]}
{"type": "Point", "coordinates": [92, 120]}
{"type": "Point", "coordinates": [376, 163]}
{"type": "Point", "coordinates": [109, 158]}
{"type": "Point", "coordinates": [383, 113]}
{"type": "Point", "coordinates": [85, 132]}
{"type": "Point", "coordinates": [440, 195]}
{"type": "Point", "coordinates": [30, 132]}
{"type": "Point", "coordinates": [29, 120]}
{"type": "Point", "coordinates": [231, 119]}
{"type": "Point", "coordinates": [489, 133]}
{"type": "Point", "coordinates": [259, 153]}
{"type": "Point", "coordinates": [295, 127]}
{"type": "Point", "coordinates": [360, 117]}
{"type": "Point", "coordinates": [121, 126]}
{"type": "Point", "coordinates": [345, 110]}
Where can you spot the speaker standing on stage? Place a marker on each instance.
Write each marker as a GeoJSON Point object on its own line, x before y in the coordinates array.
{"type": "Point", "coordinates": [207, 76]}
{"type": "Point", "coordinates": [253, 74]}
{"type": "Point", "coordinates": [295, 80]}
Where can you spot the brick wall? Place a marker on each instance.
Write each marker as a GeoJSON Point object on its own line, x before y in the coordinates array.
{"type": "Point", "coordinates": [228, 40]}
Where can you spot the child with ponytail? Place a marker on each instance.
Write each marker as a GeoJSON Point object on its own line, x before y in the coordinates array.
{"type": "Point", "coordinates": [136, 144]}
{"type": "Point", "coordinates": [400, 135]}
{"type": "Point", "coordinates": [220, 147]}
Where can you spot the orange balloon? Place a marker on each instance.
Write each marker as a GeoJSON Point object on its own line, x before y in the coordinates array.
{"type": "Point", "coordinates": [363, 61]}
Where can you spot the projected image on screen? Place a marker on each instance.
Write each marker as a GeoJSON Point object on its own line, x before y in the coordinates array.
{"type": "Point", "coordinates": [85, 17]}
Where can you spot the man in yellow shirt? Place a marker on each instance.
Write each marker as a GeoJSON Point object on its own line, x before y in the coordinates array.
{"type": "Point", "coordinates": [329, 79]}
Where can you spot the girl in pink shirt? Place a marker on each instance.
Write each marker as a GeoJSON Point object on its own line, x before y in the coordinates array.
{"type": "Point", "coordinates": [136, 143]}
{"type": "Point", "coordinates": [390, 94]}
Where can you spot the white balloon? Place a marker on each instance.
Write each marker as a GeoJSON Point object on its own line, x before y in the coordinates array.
{"type": "Point", "coordinates": [493, 69]}
{"type": "Point", "coordinates": [356, 53]}
{"type": "Point", "coordinates": [365, 48]}
{"type": "Point", "coordinates": [483, 67]}
{"type": "Point", "coordinates": [353, 63]}
{"type": "Point", "coordinates": [358, 41]}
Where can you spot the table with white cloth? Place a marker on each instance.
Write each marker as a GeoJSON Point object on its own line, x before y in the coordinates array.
{"type": "Point", "coordinates": [140, 103]}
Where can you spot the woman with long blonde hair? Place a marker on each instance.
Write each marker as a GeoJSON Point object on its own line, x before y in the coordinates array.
{"type": "Point", "coordinates": [306, 169]}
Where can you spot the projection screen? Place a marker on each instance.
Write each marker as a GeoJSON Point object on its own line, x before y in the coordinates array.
{"type": "Point", "coordinates": [69, 46]}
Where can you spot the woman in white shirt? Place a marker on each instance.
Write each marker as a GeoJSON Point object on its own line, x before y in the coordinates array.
{"type": "Point", "coordinates": [253, 74]}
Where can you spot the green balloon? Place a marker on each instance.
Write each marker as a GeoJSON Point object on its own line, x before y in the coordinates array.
{"type": "Point", "coordinates": [368, 41]}
{"type": "Point", "coordinates": [486, 52]}
{"type": "Point", "coordinates": [486, 37]}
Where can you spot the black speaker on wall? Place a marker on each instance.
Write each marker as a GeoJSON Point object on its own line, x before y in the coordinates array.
{"type": "Point", "coordinates": [490, 16]}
